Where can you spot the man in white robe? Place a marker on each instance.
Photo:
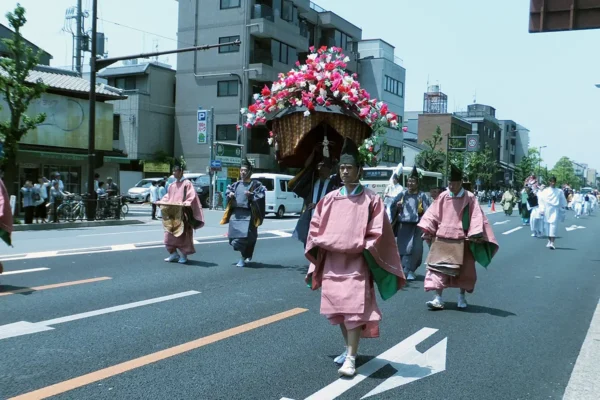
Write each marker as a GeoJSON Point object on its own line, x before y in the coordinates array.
{"type": "Point", "coordinates": [577, 203]}
{"type": "Point", "coordinates": [553, 208]}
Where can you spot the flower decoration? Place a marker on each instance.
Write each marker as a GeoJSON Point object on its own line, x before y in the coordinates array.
{"type": "Point", "coordinates": [323, 81]}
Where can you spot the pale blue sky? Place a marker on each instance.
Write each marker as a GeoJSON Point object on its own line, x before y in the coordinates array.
{"type": "Point", "coordinates": [542, 81]}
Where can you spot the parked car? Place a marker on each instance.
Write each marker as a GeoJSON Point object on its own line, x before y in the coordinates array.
{"type": "Point", "coordinates": [201, 183]}
{"type": "Point", "coordinates": [140, 193]}
{"type": "Point", "coordinates": [279, 199]}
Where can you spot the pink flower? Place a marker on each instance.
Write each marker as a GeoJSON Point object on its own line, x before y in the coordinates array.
{"type": "Point", "coordinates": [405, 129]}
{"type": "Point", "coordinates": [327, 103]}
{"type": "Point", "coordinates": [237, 127]}
{"type": "Point", "coordinates": [271, 134]}
{"type": "Point", "coordinates": [320, 100]}
{"type": "Point", "coordinates": [364, 112]}
{"type": "Point", "coordinates": [312, 49]}
{"type": "Point", "coordinates": [248, 125]}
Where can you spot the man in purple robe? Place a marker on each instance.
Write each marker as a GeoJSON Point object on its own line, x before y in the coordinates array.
{"type": "Point", "coordinates": [350, 245]}
{"type": "Point", "coordinates": [182, 214]}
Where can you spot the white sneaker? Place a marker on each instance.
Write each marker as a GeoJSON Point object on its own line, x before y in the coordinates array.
{"type": "Point", "coordinates": [183, 260]}
{"type": "Point", "coordinates": [551, 247]}
{"type": "Point", "coordinates": [435, 304]}
{"type": "Point", "coordinates": [241, 263]}
{"type": "Point", "coordinates": [172, 258]}
{"type": "Point", "coordinates": [548, 244]}
{"type": "Point", "coordinates": [349, 368]}
{"type": "Point", "coordinates": [534, 235]}
{"type": "Point", "coordinates": [410, 276]}
{"type": "Point", "coordinates": [247, 260]}
{"type": "Point", "coordinates": [341, 358]}
{"type": "Point", "coordinates": [462, 302]}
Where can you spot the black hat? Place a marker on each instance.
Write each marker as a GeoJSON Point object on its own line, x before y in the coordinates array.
{"type": "Point", "coordinates": [414, 174]}
{"type": "Point", "coordinates": [246, 163]}
{"type": "Point", "coordinates": [326, 162]}
{"type": "Point", "coordinates": [178, 165]}
{"type": "Point", "coordinates": [349, 152]}
{"type": "Point", "coordinates": [456, 175]}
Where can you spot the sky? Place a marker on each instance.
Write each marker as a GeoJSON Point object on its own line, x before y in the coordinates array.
{"type": "Point", "coordinates": [474, 49]}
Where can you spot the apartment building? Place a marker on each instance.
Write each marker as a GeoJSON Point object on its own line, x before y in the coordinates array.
{"type": "Point", "coordinates": [274, 34]}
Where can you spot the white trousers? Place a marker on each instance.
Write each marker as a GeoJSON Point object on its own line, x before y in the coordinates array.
{"type": "Point", "coordinates": [578, 207]}
{"type": "Point", "coordinates": [536, 222]}
{"type": "Point", "coordinates": [551, 229]}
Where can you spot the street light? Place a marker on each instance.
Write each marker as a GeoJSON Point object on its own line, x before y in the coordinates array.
{"type": "Point", "coordinates": [540, 158]}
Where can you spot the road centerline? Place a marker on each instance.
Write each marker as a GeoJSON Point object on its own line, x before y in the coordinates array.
{"type": "Point", "coordinates": [512, 230]}
{"type": "Point", "coordinates": [139, 362]}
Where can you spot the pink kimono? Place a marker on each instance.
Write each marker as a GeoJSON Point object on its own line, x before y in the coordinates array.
{"type": "Point", "coordinates": [444, 219]}
{"type": "Point", "coordinates": [341, 229]}
{"type": "Point", "coordinates": [175, 195]}
{"type": "Point", "coordinates": [6, 217]}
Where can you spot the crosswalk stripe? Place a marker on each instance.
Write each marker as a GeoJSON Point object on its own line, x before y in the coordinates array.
{"type": "Point", "coordinates": [24, 271]}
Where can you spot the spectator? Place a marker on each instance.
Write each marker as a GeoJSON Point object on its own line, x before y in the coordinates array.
{"type": "Point", "coordinates": [28, 201]}
{"type": "Point", "coordinates": [154, 198]}
{"type": "Point", "coordinates": [162, 191]}
{"type": "Point", "coordinates": [40, 206]}
{"type": "Point", "coordinates": [101, 191]}
{"type": "Point", "coordinates": [61, 185]}
{"type": "Point", "coordinates": [56, 198]}
{"type": "Point", "coordinates": [111, 188]}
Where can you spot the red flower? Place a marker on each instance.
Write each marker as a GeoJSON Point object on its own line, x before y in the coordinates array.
{"type": "Point", "coordinates": [329, 67]}
{"type": "Point", "coordinates": [327, 103]}
{"type": "Point", "coordinates": [310, 106]}
{"type": "Point", "coordinates": [271, 134]}
{"type": "Point", "coordinates": [312, 49]}
{"type": "Point", "coordinates": [265, 92]}
{"type": "Point", "coordinates": [371, 149]}
{"type": "Point", "coordinates": [253, 108]}
{"type": "Point", "coordinates": [322, 49]}
{"type": "Point", "coordinates": [384, 110]}
{"type": "Point", "coordinates": [237, 127]}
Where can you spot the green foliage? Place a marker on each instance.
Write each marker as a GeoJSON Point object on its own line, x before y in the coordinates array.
{"type": "Point", "coordinates": [565, 173]}
{"type": "Point", "coordinates": [530, 164]}
{"type": "Point", "coordinates": [14, 87]}
{"type": "Point", "coordinates": [481, 165]}
{"type": "Point", "coordinates": [433, 158]}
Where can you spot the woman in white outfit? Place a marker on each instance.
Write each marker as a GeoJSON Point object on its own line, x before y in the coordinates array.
{"type": "Point", "coordinates": [536, 222]}
{"type": "Point", "coordinates": [553, 207]}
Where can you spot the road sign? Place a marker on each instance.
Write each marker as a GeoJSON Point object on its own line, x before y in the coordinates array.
{"type": "Point", "coordinates": [233, 172]}
{"type": "Point", "coordinates": [410, 365]}
{"type": "Point", "coordinates": [473, 142]}
{"type": "Point", "coordinates": [229, 154]}
{"type": "Point", "coordinates": [202, 126]}
{"type": "Point", "coordinates": [216, 165]}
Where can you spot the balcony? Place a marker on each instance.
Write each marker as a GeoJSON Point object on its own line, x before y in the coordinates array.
{"type": "Point", "coordinates": [259, 56]}
{"type": "Point", "coordinates": [262, 11]}
{"type": "Point", "coordinates": [304, 30]}
{"type": "Point", "coordinates": [261, 63]}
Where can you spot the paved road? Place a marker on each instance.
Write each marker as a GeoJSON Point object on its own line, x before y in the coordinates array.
{"type": "Point", "coordinates": [256, 333]}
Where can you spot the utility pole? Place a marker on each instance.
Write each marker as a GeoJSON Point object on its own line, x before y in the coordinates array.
{"type": "Point", "coordinates": [78, 38]}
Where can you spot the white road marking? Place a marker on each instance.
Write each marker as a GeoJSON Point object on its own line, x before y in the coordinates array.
{"type": "Point", "coordinates": [584, 383]}
{"type": "Point", "coordinates": [24, 271]}
{"type": "Point", "coordinates": [403, 357]}
{"type": "Point", "coordinates": [502, 223]}
{"type": "Point", "coordinates": [574, 227]}
{"type": "Point", "coordinates": [120, 233]}
{"type": "Point", "coordinates": [26, 328]}
{"type": "Point", "coordinates": [280, 233]}
{"type": "Point", "coordinates": [512, 230]}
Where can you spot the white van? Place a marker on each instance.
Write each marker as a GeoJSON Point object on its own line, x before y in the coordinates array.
{"type": "Point", "coordinates": [278, 199]}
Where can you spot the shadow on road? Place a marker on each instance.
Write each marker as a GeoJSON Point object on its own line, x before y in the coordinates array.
{"type": "Point", "coordinates": [256, 265]}
{"type": "Point", "coordinates": [408, 370]}
{"type": "Point", "coordinates": [203, 264]}
{"type": "Point", "coordinates": [473, 309]}
{"type": "Point", "coordinates": [24, 290]}
{"type": "Point", "coordinates": [566, 248]}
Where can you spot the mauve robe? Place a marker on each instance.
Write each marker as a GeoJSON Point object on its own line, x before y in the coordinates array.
{"type": "Point", "coordinates": [185, 242]}
{"type": "Point", "coordinates": [6, 217]}
{"type": "Point", "coordinates": [444, 219]}
{"type": "Point", "coordinates": [340, 231]}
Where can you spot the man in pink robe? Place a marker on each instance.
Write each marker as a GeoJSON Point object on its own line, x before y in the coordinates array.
{"type": "Point", "coordinates": [181, 193]}
{"type": "Point", "coordinates": [6, 218]}
{"type": "Point", "coordinates": [350, 244]}
{"type": "Point", "coordinates": [446, 220]}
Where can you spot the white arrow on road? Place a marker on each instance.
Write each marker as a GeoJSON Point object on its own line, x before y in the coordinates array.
{"type": "Point", "coordinates": [573, 227]}
{"type": "Point", "coordinates": [410, 364]}
{"type": "Point", "coordinates": [501, 223]}
{"type": "Point", "coordinates": [26, 328]}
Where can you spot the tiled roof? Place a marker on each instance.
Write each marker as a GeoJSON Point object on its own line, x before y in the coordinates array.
{"type": "Point", "coordinates": [69, 81]}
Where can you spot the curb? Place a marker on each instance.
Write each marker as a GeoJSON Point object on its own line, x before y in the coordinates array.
{"type": "Point", "coordinates": [71, 225]}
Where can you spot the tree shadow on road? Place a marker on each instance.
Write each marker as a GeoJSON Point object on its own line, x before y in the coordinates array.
{"type": "Point", "coordinates": [203, 264]}
{"type": "Point", "coordinates": [473, 309]}
{"type": "Point", "coordinates": [9, 289]}
{"type": "Point", "coordinates": [256, 265]}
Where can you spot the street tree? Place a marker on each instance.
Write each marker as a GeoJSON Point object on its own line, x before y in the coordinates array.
{"type": "Point", "coordinates": [565, 173]}
{"type": "Point", "coordinates": [17, 91]}
{"type": "Point", "coordinates": [528, 165]}
{"type": "Point", "coordinates": [481, 165]}
{"type": "Point", "coordinates": [433, 158]}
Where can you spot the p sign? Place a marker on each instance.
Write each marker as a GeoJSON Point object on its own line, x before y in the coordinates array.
{"type": "Point", "coordinates": [202, 126]}
{"type": "Point", "coordinates": [473, 142]}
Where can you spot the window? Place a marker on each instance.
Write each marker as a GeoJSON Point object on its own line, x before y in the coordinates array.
{"type": "Point", "coordinates": [226, 132]}
{"type": "Point", "coordinates": [267, 183]}
{"type": "Point", "coordinates": [227, 88]}
{"type": "Point", "coordinates": [391, 154]}
{"type": "Point", "coordinates": [283, 185]}
{"type": "Point", "coordinates": [287, 12]}
{"type": "Point", "coordinates": [126, 83]}
{"type": "Point", "coordinates": [229, 4]}
{"type": "Point", "coordinates": [116, 126]}
{"type": "Point", "coordinates": [394, 86]}
{"type": "Point", "coordinates": [231, 48]}
{"type": "Point", "coordinates": [283, 53]}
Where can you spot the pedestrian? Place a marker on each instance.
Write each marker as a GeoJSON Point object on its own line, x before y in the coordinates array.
{"type": "Point", "coordinates": [586, 204]}
{"type": "Point", "coordinates": [577, 203]}
{"type": "Point", "coordinates": [350, 245]}
{"type": "Point", "coordinates": [112, 189]}
{"type": "Point", "coordinates": [6, 218]}
{"type": "Point", "coordinates": [56, 198]}
{"type": "Point", "coordinates": [536, 222]}
{"type": "Point", "coordinates": [154, 198]}
{"type": "Point", "coordinates": [101, 191]}
{"type": "Point", "coordinates": [182, 214]}
{"type": "Point", "coordinates": [553, 207]}
{"type": "Point", "coordinates": [524, 209]}
{"type": "Point", "coordinates": [312, 184]}
{"type": "Point", "coordinates": [161, 193]}
{"type": "Point", "coordinates": [435, 192]}
{"type": "Point", "coordinates": [410, 205]}
{"type": "Point", "coordinates": [508, 202]}
{"type": "Point", "coordinates": [392, 191]}
{"type": "Point", "coordinates": [458, 233]}
{"type": "Point", "coordinates": [41, 210]}
{"type": "Point", "coordinates": [245, 212]}
{"type": "Point", "coordinates": [28, 193]}
{"type": "Point", "coordinates": [57, 178]}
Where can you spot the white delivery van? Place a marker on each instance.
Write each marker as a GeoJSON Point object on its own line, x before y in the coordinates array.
{"type": "Point", "coordinates": [278, 199]}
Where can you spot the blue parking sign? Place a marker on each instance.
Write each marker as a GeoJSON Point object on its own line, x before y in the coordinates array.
{"type": "Point", "coordinates": [202, 115]}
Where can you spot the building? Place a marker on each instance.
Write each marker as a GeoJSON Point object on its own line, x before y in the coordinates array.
{"type": "Point", "coordinates": [581, 172]}
{"type": "Point", "coordinates": [448, 123]}
{"type": "Point", "coordinates": [591, 177]}
{"type": "Point", "coordinates": [410, 152]}
{"type": "Point", "coordinates": [274, 34]}
{"type": "Point", "coordinates": [7, 33]}
{"type": "Point", "coordinates": [382, 75]}
{"type": "Point", "coordinates": [411, 123]}
{"type": "Point", "coordinates": [144, 122]}
{"type": "Point", "coordinates": [60, 143]}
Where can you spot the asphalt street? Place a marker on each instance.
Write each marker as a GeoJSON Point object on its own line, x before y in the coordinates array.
{"type": "Point", "coordinates": [126, 325]}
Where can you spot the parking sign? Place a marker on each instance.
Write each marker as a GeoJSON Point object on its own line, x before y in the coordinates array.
{"type": "Point", "coordinates": [202, 126]}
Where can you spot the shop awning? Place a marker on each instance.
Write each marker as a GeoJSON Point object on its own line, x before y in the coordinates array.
{"type": "Point", "coordinates": [118, 160]}
{"type": "Point", "coordinates": [57, 156]}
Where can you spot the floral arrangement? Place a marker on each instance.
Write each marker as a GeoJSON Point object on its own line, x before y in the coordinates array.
{"type": "Point", "coordinates": [323, 81]}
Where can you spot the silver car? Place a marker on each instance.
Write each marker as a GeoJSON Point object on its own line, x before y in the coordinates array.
{"type": "Point", "coordinates": [140, 193]}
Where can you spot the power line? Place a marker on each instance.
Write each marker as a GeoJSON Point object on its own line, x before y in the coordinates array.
{"type": "Point", "coordinates": [143, 31]}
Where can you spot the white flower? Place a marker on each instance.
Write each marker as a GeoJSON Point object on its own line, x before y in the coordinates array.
{"type": "Point", "coordinates": [389, 116]}
{"type": "Point", "coordinates": [336, 93]}
{"type": "Point", "coordinates": [346, 98]}
{"type": "Point", "coordinates": [328, 58]}
{"type": "Point", "coordinates": [348, 79]}
{"type": "Point", "coordinates": [312, 56]}
{"type": "Point", "coordinates": [346, 59]}
{"type": "Point", "coordinates": [298, 102]}
{"type": "Point", "coordinates": [312, 88]}
{"type": "Point", "coordinates": [244, 110]}
{"type": "Point", "coordinates": [394, 124]}
{"type": "Point", "coordinates": [250, 116]}
{"type": "Point", "coordinates": [281, 106]}
{"type": "Point", "coordinates": [256, 96]}
{"type": "Point", "coordinates": [379, 105]}
{"type": "Point", "coordinates": [303, 84]}
{"type": "Point", "coordinates": [319, 77]}
{"type": "Point", "coordinates": [306, 113]}
{"type": "Point", "coordinates": [260, 113]}
{"type": "Point", "coordinates": [354, 92]}
{"type": "Point", "coordinates": [270, 141]}
{"type": "Point", "coordinates": [304, 68]}
{"type": "Point", "coordinates": [323, 92]}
